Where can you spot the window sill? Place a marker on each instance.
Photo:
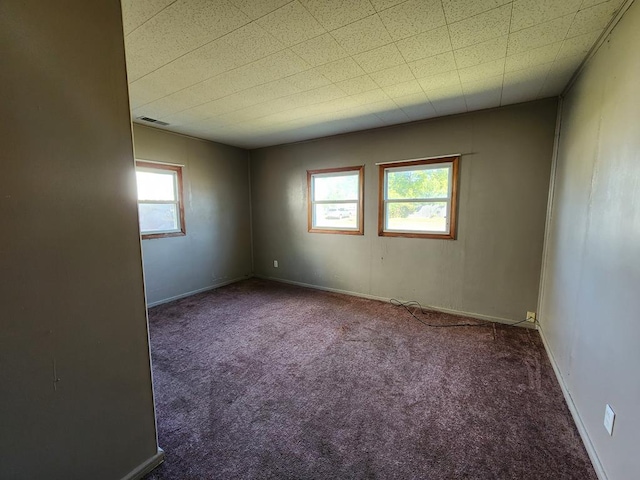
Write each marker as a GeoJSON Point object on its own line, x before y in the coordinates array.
{"type": "Point", "coordinates": [338, 232]}
{"type": "Point", "coordinates": [441, 236]}
{"type": "Point", "coordinates": [150, 236]}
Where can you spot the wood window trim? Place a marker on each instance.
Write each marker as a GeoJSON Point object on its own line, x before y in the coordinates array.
{"type": "Point", "coordinates": [360, 229]}
{"type": "Point", "coordinates": [178, 170]}
{"type": "Point", "coordinates": [453, 222]}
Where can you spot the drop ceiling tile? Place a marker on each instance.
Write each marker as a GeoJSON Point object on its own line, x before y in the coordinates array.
{"type": "Point", "coordinates": [183, 118]}
{"type": "Point", "coordinates": [567, 64]}
{"type": "Point", "coordinates": [579, 45]}
{"type": "Point", "coordinates": [520, 92]}
{"type": "Point", "coordinates": [367, 122]}
{"type": "Point", "coordinates": [341, 70]}
{"type": "Point", "coordinates": [392, 115]}
{"type": "Point", "coordinates": [591, 3]}
{"type": "Point", "coordinates": [135, 13]}
{"type": "Point", "coordinates": [334, 14]}
{"type": "Point", "coordinates": [291, 24]}
{"type": "Point", "coordinates": [308, 80]}
{"type": "Point", "coordinates": [217, 107]}
{"type": "Point", "coordinates": [555, 83]}
{"type": "Point", "coordinates": [593, 18]}
{"type": "Point", "coordinates": [242, 46]}
{"type": "Point", "coordinates": [540, 35]}
{"type": "Point", "coordinates": [527, 13]}
{"type": "Point", "coordinates": [484, 70]}
{"type": "Point", "coordinates": [426, 67]}
{"type": "Point", "coordinates": [380, 5]}
{"type": "Point", "coordinates": [482, 52]}
{"type": "Point", "coordinates": [456, 10]}
{"type": "Point", "coordinates": [279, 65]}
{"type": "Point", "coordinates": [538, 72]}
{"type": "Point", "coordinates": [255, 9]}
{"type": "Point", "coordinates": [483, 85]}
{"type": "Point", "coordinates": [413, 17]}
{"type": "Point", "coordinates": [317, 95]}
{"type": "Point", "coordinates": [320, 50]}
{"type": "Point", "coordinates": [176, 30]}
{"type": "Point", "coordinates": [393, 75]}
{"type": "Point", "coordinates": [363, 35]}
{"type": "Point", "coordinates": [371, 96]}
{"type": "Point", "coordinates": [531, 58]}
{"type": "Point", "coordinates": [357, 85]}
{"type": "Point", "coordinates": [448, 101]}
{"type": "Point", "coordinates": [420, 111]}
{"type": "Point", "coordinates": [411, 100]}
{"type": "Point", "coordinates": [480, 100]}
{"type": "Point", "coordinates": [440, 81]}
{"type": "Point", "coordinates": [485, 93]}
{"type": "Point", "coordinates": [403, 89]}
{"type": "Point", "coordinates": [379, 58]}
{"type": "Point", "coordinates": [524, 85]}
{"type": "Point", "coordinates": [141, 93]}
{"type": "Point", "coordinates": [425, 44]}
{"type": "Point", "coordinates": [479, 28]}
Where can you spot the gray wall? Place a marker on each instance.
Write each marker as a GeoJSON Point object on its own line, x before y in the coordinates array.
{"type": "Point", "coordinates": [217, 246]}
{"type": "Point", "coordinates": [71, 290]}
{"type": "Point", "coordinates": [590, 297]}
{"type": "Point", "coordinates": [491, 270]}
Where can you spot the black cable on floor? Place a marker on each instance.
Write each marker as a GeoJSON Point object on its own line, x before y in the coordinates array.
{"type": "Point", "coordinates": [424, 311]}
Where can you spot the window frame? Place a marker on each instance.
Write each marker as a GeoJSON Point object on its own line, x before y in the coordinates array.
{"type": "Point", "coordinates": [360, 206]}
{"type": "Point", "coordinates": [451, 199]}
{"type": "Point", "coordinates": [177, 169]}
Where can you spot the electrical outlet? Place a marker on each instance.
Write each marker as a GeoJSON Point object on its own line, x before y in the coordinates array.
{"type": "Point", "coordinates": [531, 317]}
{"type": "Point", "coordinates": [609, 418]}
{"type": "Point", "coordinates": [275, 264]}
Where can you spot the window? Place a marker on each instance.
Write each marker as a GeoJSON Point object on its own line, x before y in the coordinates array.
{"type": "Point", "coordinates": [160, 207]}
{"type": "Point", "coordinates": [417, 198]}
{"type": "Point", "coordinates": [335, 200]}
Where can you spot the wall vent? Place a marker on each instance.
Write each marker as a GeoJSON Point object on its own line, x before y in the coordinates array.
{"type": "Point", "coordinates": [152, 120]}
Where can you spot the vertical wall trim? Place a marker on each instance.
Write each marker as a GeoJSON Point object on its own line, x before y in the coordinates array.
{"type": "Point", "coordinates": [547, 224]}
{"type": "Point", "coordinates": [253, 270]}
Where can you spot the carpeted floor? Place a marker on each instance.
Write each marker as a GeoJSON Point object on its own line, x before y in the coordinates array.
{"type": "Point", "coordinates": [260, 380]}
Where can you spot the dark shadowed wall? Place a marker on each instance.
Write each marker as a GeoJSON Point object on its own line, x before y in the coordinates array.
{"type": "Point", "coordinates": [75, 384]}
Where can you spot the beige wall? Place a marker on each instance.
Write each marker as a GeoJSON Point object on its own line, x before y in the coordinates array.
{"type": "Point", "coordinates": [217, 246]}
{"type": "Point", "coordinates": [71, 290]}
{"type": "Point", "coordinates": [491, 270]}
{"type": "Point", "coordinates": [590, 298]}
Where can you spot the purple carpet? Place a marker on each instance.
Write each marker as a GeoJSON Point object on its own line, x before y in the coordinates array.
{"type": "Point", "coordinates": [260, 380]}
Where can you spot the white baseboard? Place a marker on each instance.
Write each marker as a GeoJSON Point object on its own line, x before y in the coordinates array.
{"type": "Point", "coordinates": [479, 316]}
{"type": "Point", "coordinates": [577, 419]}
{"type": "Point", "coordinates": [194, 292]}
{"type": "Point", "coordinates": [145, 467]}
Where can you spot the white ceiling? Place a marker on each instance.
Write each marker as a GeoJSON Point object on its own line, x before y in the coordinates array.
{"type": "Point", "coordinates": [253, 73]}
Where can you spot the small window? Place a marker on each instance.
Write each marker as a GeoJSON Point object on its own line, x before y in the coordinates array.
{"type": "Point", "coordinates": [418, 198]}
{"type": "Point", "coordinates": [160, 207]}
{"type": "Point", "coordinates": [335, 200]}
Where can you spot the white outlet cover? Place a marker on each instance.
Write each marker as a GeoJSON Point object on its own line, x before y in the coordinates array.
{"type": "Point", "coordinates": [609, 418]}
{"type": "Point", "coordinates": [275, 263]}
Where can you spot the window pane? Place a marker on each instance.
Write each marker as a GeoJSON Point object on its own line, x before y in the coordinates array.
{"type": "Point", "coordinates": [156, 186]}
{"type": "Point", "coordinates": [422, 183]}
{"type": "Point", "coordinates": [158, 217]}
{"type": "Point", "coordinates": [340, 215]}
{"type": "Point", "coordinates": [417, 216]}
{"type": "Point", "coordinates": [335, 187]}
